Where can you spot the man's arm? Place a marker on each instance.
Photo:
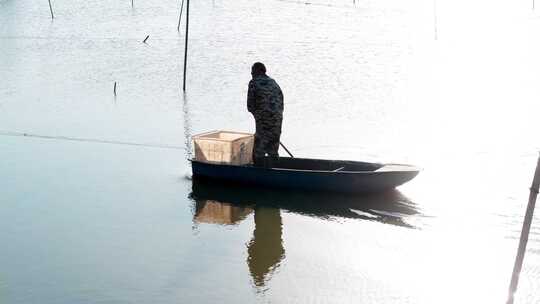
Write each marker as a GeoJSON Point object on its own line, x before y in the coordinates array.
{"type": "Point", "coordinates": [251, 97]}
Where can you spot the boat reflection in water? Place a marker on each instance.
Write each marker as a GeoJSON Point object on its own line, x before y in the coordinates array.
{"type": "Point", "coordinates": [228, 204]}
{"type": "Point", "coordinates": [216, 212]}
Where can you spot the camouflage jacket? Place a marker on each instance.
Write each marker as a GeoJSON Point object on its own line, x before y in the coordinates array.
{"type": "Point", "coordinates": [265, 98]}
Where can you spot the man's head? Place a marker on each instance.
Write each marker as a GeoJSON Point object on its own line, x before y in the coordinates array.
{"type": "Point", "coordinates": [258, 69]}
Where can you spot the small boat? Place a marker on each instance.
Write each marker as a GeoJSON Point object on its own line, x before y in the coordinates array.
{"type": "Point", "coordinates": [311, 174]}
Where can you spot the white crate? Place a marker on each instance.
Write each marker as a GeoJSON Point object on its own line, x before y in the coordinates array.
{"type": "Point", "coordinates": [225, 147]}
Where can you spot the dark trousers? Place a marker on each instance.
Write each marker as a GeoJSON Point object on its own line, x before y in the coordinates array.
{"type": "Point", "coordinates": [266, 145]}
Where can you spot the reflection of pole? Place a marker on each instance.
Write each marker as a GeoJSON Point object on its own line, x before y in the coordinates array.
{"type": "Point", "coordinates": [187, 128]}
{"type": "Point", "coordinates": [180, 17]}
{"type": "Point", "coordinates": [524, 234]}
{"type": "Point", "coordinates": [185, 49]}
{"type": "Point", "coordinates": [50, 7]}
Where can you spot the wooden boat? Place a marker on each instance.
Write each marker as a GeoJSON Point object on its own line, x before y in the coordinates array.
{"type": "Point", "coordinates": [311, 174]}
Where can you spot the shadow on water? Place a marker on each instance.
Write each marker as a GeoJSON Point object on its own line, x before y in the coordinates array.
{"type": "Point", "coordinates": [227, 204]}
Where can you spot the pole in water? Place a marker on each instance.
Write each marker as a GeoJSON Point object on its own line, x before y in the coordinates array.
{"type": "Point", "coordinates": [114, 89]}
{"type": "Point", "coordinates": [524, 234]}
{"type": "Point", "coordinates": [131, 3]}
{"type": "Point", "coordinates": [50, 7]}
{"type": "Point", "coordinates": [144, 41]}
{"type": "Point", "coordinates": [180, 17]}
{"type": "Point", "coordinates": [186, 47]}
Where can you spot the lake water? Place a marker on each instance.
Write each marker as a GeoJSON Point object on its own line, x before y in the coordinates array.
{"type": "Point", "coordinates": [450, 86]}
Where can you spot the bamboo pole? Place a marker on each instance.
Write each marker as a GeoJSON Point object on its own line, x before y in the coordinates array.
{"type": "Point", "coordinates": [186, 46]}
{"type": "Point", "coordinates": [50, 7]}
{"type": "Point", "coordinates": [180, 17]}
{"type": "Point", "coordinates": [524, 234]}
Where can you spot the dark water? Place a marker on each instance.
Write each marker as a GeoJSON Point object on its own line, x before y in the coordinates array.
{"type": "Point", "coordinates": [114, 217]}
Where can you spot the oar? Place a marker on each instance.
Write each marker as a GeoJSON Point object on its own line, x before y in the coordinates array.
{"type": "Point", "coordinates": [282, 145]}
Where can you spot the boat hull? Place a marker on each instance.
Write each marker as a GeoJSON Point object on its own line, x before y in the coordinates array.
{"type": "Point", "coordinates": [310, 180]}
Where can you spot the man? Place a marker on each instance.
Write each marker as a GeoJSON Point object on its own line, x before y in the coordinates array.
{"type": "Point", "coordinates": [265, 102]}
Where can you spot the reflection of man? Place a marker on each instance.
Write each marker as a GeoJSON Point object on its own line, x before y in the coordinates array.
{"type": "Point", "coordinates": [265, 102]}
{"type": "Point", "coordinates": [265, 250]}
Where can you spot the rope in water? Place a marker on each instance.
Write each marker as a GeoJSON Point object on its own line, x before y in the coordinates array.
{"type": "Point", "coordinates": [101, 141]}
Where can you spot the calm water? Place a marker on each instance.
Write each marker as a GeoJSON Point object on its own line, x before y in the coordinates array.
{"type": "Point", "coordinates": [450, 86]}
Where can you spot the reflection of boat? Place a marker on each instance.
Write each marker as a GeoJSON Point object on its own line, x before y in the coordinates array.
{"type": "Point", "coordinates": [389, 207]}
{"type": "Point", "coordinates": [266, 250]}
{"type": "Point", "coordinates": [312, 174]}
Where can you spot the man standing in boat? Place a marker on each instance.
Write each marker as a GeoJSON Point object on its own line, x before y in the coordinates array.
{"type": "Point", "coordinates": [265, 102]}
